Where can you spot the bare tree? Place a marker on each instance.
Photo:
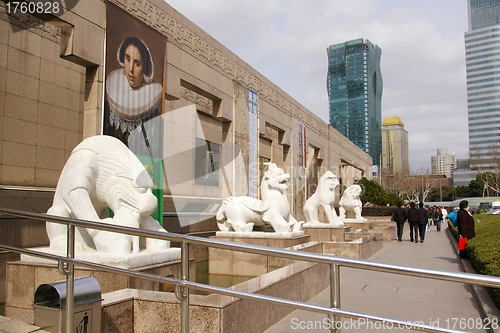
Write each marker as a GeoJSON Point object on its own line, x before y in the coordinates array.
{"type": "Point", "coordinates": [410, 187]}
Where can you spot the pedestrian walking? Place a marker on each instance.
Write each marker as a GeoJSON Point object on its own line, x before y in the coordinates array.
{"type": "Point", "coordinates": [430, 218]}
{"type": "Point", "coordinates": [438, 216]}
{"type": "Point", "coordinates": [465, 224]}
{"type": "Point", "coordinates": [444, 212]}
{"type": "Point", "coordinates": [414, 219]}
{"type": "Point", "coordinates": [423, 221]}
{"type": "Point", "coordinates": [399, 216]}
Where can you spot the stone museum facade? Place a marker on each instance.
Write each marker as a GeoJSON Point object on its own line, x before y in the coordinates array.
{"type": "Point", "coordinates": [206, 135]}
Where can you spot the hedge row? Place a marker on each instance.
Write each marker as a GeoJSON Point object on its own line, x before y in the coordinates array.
{"type": "Point", "coordinates": [483, 250]}
{"type": "Point", "coordinates": [378, 211]}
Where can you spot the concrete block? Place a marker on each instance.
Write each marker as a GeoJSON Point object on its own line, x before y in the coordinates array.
{"type": "Point", "coordinates": [19, 131]}
{"type": "Point", "coordinates": [16, 175]}
{"type": "Point", "coordinates": [23, 62]}
{"type": "Point", "coordinates": [22, 85]}
{"type": "Point", "coordinates": [19, 154]}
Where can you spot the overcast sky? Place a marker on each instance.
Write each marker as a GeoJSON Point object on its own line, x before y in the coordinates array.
{"type": "Point", "coordinates": [422, 65]}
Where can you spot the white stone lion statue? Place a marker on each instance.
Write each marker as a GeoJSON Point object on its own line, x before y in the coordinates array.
{"type": "Point", "coordinates": [102, 172]}
{"type": "Point", "coordinates": [323, 197]}
{"type": "Point", "coordinates": [350, 201]}
{"type": "Point", "coordinates": [240, 214]}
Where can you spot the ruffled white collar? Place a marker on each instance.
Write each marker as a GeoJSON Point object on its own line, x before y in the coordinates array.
{"type": "Point", "coordinates": [131, 105]}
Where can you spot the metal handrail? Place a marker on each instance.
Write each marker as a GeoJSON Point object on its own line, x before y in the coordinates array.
{"type": "Point", "coordinates": [182, 285]}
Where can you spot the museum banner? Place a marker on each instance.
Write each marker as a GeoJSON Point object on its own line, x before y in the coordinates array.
{"type": "Point", "coordinates": [253, 153]}
{"type": "Point", "coordinates": [133, 99]}
{"type": "Point", "coordinates": [246, 141]}
{"type": "Point", "coordinates": [298, 172]}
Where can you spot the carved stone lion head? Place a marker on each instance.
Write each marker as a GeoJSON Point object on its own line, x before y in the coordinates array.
{"type": "Point", "coordinates": [329, 181]}
{"type": "Point", "coordinates": [276, 177]}
{"type": "Point", "coordinates": [351, 195]}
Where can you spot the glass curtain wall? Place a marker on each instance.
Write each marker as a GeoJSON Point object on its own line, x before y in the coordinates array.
{"type": "Point", "coordinates": [482, 51]}
{"type": "Point", "coordinates": [355, 89]}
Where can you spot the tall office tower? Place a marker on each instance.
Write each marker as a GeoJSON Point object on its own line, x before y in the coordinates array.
{"type": "Point", "coordinates": [443, 163]}
{"type": "Point", "coordinates": [482, 51]}
{"type": "Point", "coordinates": [394, 147]}
{"type": "Point", "coordinates": [355, 89]}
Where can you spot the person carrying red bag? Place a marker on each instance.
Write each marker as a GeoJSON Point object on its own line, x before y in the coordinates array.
{"type": "Point", "coordinates": [465, 225]}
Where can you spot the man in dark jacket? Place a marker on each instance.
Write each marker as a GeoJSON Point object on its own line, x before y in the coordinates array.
{"type": "Point", "coordinates": [423, 221]}
{"type": "Point", "coordinates": [399, 216]}
{"type": "Point", "coordinates": [414, 219]}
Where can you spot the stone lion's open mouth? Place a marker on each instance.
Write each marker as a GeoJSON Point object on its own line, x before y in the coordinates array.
{"type": "Point", "coordinates": [129, 207]}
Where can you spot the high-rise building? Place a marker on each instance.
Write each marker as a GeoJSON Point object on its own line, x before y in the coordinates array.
{"type": "Point", "coordinates": [482, 50]}
{"type": "Point", "coordinates": [443, 163]}
{"type": "Point", "coordinates": [394, 147]}
{"type": "Point", "coordinates": [355, 92]}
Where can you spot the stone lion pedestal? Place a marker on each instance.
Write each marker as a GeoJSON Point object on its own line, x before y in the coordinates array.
{"type": "Point", "coordinates": [22, 279]}
{"type": "Point", "coordinates": [325, 232]}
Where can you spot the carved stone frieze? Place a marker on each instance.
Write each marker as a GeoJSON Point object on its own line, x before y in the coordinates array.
{"type": "Point", "coordinates": [196, 98]}
{"type": "Point", "coordinates": [271, 132]}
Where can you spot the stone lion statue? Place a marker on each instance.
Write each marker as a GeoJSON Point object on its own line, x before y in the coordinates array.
{"type": "Point", "coordinates": [242, 213]}
{"type": "Point", "coordinates": [350, 201]}
{"type": "Point", "coordinates": [323, 197]}
{"type": "Point", "coordinates": [102, 172]}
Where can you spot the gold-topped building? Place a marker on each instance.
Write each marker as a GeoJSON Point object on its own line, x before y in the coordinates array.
{"type": "Point", "coordinates": [394, 146]}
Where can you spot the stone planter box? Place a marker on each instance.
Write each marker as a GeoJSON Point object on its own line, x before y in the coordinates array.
{"type": "Point", "coordinates": [23, 279]}
{"type": "Point", "coordinates": [358, 246]}
{"type": "Point", "coordinates": [146, 311]}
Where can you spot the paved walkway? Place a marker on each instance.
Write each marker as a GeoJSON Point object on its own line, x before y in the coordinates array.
{"type": "Point", "coordinates": [396, 296]}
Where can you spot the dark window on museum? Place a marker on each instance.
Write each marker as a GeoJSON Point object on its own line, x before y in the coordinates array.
{"type": "Point", "coordinates": [207, 163]}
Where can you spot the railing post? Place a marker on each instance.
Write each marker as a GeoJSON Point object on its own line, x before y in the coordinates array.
{"type": "Point", "coordinates": [184, 290]}
{"type": "Point", "coordinates": [334, 295]}
{"type": "Point", "coordinates": [70, 279]}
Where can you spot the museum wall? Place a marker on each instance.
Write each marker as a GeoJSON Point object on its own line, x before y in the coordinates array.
{"type": "Point", "coordinates": [52, 92]}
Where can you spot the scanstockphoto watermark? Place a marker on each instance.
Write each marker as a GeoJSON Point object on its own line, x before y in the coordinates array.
{"type": "Point", "coordinates": [354, 324]}
{"type": "Point", "coordinates": [362, 323]}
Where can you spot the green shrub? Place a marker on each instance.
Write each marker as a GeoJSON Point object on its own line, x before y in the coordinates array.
{"type": "Point", "coordinates": [378, 211]}
{"type": "Point", "coordinates": [453, 229]}
{"type": "Point", "coordinates": [483, 250]}
{"type": "Point", "coordinates": [375, 194]}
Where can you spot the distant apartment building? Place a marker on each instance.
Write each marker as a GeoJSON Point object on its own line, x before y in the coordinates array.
{"type": "Point", "coordinates": [355, 87]}
{"type": "Point", "coordinates": [394, 147]}
{"type": "Point", "coordinates": [483, 79]}
{"type": "Point", "coordinates": [443, 163]}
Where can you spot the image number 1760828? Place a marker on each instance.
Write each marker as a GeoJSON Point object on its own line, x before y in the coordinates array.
{"type": "Point", "coordinates": [25, 14]}
{"type": "Point", "coordinates": [48, 7]}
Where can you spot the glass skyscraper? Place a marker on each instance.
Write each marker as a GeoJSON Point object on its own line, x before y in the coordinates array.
{"type": "Point", "coordinates": [355, 89]}
{"type": "Point", "coordinates": [482, 52]}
